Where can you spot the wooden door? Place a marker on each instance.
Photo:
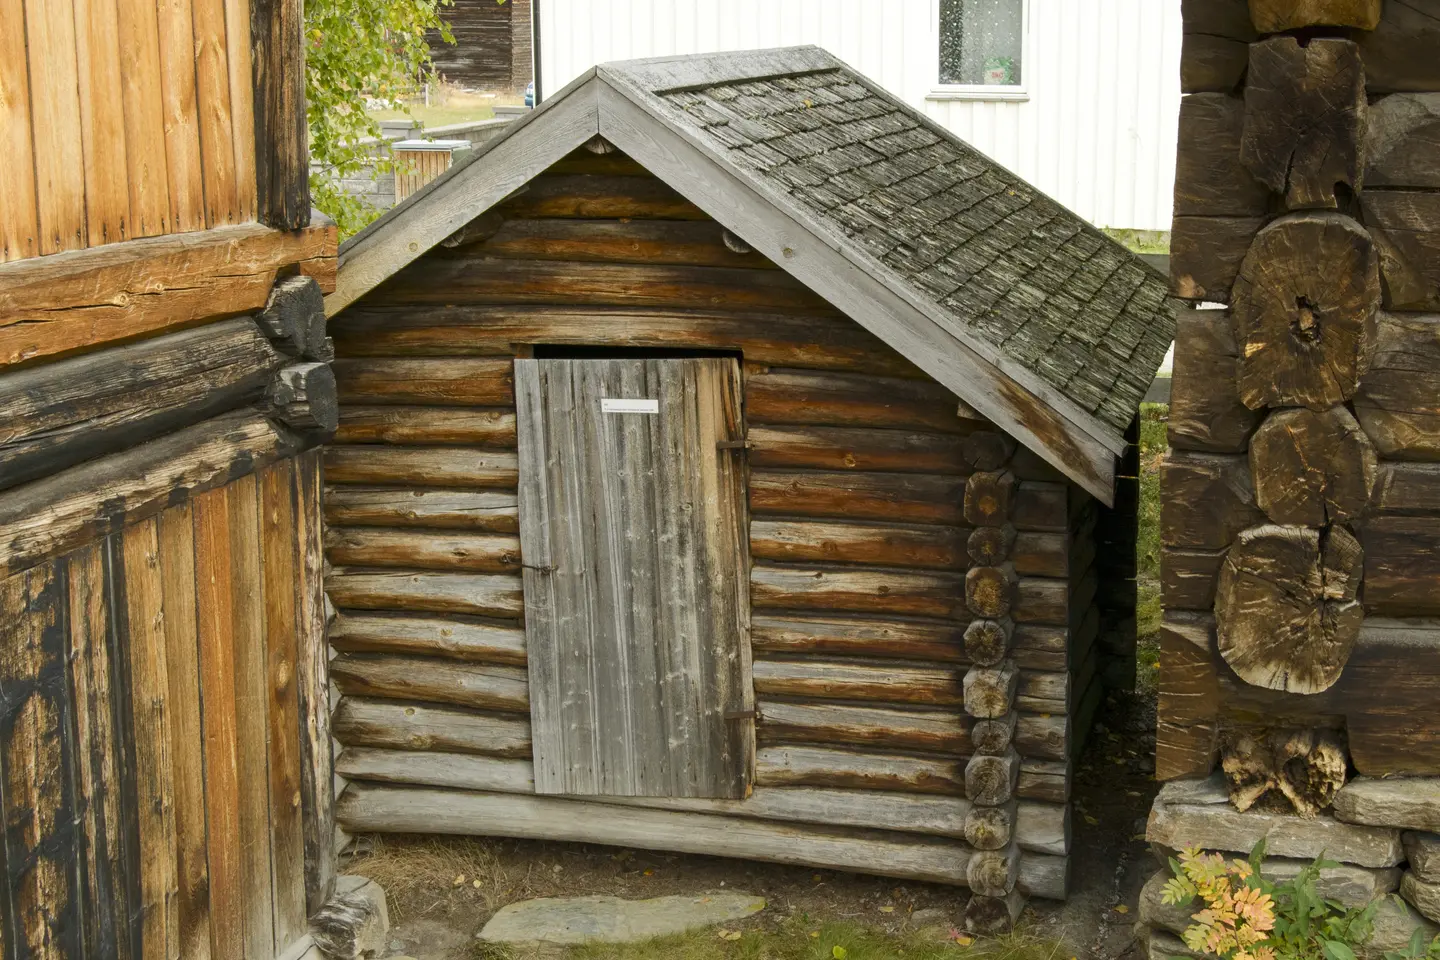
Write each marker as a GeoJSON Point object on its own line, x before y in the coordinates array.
{"type": "Point", "coordinates": [637, 622]}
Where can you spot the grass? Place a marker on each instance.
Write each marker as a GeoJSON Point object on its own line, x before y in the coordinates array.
{"type": "Point", "coordinates": [1141, 241]}
{"type": "Point", "coordinates": [1153, 417]}
{"type": "Point", "coordinates": [449, 105]}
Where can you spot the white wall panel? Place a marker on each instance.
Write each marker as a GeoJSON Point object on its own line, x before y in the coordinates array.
{"type": "Point", "coordinates": [1103, 78]}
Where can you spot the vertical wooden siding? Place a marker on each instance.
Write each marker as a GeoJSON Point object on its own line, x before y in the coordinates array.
{"type": "Point", "coordinates": [150, 743]}
{"type": "Point", "coordinates": [122, 119]}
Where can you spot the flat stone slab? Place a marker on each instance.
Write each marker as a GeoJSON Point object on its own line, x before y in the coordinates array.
{"type": "Point", "coordinates": [1423, 852]}
{"type": "Point", "coordinates": [575, 920]}
{"type": "Point", "coordinates": [1424, 897]}
{"type": "Point", "coordinates": [1411, 803]}
{"type": "Point", "coordinates": [1215, 826]}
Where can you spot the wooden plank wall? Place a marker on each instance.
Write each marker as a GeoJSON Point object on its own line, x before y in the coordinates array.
{"type": "Point", "coordinates": [123, 119]}
{"type": "Point", "coordinates": [486, 51]}
{"type": "Point", "coordinates": [143, 677]}
{"type": "Point", "coordinates": [858, 472]}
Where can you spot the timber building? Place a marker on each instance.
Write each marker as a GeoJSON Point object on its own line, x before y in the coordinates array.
{"type": "Point", "coordinates": [733, 461]}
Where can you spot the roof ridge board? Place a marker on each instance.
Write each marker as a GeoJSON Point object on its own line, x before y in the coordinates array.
{"type": "Point", "coordinates": [682, 72]}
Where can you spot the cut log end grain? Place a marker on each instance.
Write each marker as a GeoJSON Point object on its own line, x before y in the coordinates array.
{"type": "Point", "coordinates": [991, 781]}
{"type": "Point", "coordinates": [303, 397]}
{"type": "Point", "coordinates": [990, 591]}
{"type": "Point", "coordinates": [988, 546]}
{"type": "Point", "coordinates": [989, 497]}
{"type": "Point", "coordinates": [990, 828]}
{"type": "Point", "coordinates": [1305, 767]}
{"type": "Point", "coordinates": [294, 317]}
{"type": "Point", "coordinates": [1285, 607]}
{"type": "Point", "coordinates": [988, 641]}
{"type": "Point", "coordinates": [1304, 306]}
{"type": "Point", "coordinates": [1305, 113]}
{"type": "Point", "coordinates": [992, 873]}
{"type": "Point", "coordinates": [1312, 469]}
{"type": "Point", "coordinates": [994, 736]}
{"type": "Point", "coordinates": [993, 916]}
{"type": "Point", "coordinates": [988, 449]}
{"type": "Point", "coordinates": [1276, 16]}
{"type": "Point", "coordinates": [990, 691]}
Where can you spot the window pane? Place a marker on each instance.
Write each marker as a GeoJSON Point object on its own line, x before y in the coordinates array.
{"type": "Point", "coordinates": [980, 41]}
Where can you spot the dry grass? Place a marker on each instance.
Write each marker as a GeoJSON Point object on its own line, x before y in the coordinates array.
{"type": "Point", "coordinates": [421, 874]}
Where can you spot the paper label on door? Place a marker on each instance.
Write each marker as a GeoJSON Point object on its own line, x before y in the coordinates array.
{"type": "Point", "coordinates": [628, 405]}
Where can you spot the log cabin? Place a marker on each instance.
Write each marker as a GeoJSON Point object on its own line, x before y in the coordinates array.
{"type": "Point", "coordinates": [733, 461]}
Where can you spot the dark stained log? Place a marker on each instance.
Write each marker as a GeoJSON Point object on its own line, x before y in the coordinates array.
{"type": "Point", "coordinates": [600, 197]}
{"type": "Point", "coordinates": [1028, 465]}
{"type": "Point", "coordinates": [486, 595]}
{"type": "Point", "coordinates": [989, 497]}
{"type": "Point", "coordinates": [901, 498]}
{"type": "Point", "coordinates": [851, 400]}
{"type": "Point", "coordinates": [990, 828]}
{"type": "Point", "coordinates": [363, 722]}
{"type": "Point", "coordinates": [64, 413]}
{"type": "Point", "coordinates": [991, 545]}
{"type": "Point", "coordinates": [992, 781]}
{"type": "Point", "coordinates": [1210, 180]}
{"type": "Point", "coordinates": [1286, 608]}
{"type": "Point", "coordinates": [1040, 600]}
{"type": "Point", "coordinates": [303, 397]}
{"type": "Point", "coordinates": [282, 147]}
{"type": "Point", "coordinates": [1312, 469]}
{"type": "Point", "coordinates": [1398, 403]}
{"type": "Point", "coordinates": [990, 591]}
{"type": "Point", "coordinates": [993, 873]}
{"type": "Point", "coordinates": [1206, 254]}
{"type": "Point", "coordinates": [909, 593]}
{"type": "Point", "coordinates": [801, 541]}
{"type": "Point", "coordinates": [858, 448]}
{"type": "Point", "coordinates": [428, 467]}
{"type": "Point", "coordinates": [988, 641]}
{"type": "Point", "coordinates": [294, 317]}
{"type": "Point", "coordinates": [427, 426]}
{"type": "Point", "coordinates": [695, 242]}
{"type": "Point", "coordinates": [862, 726]}
{"type": "Point", "coordinates": [787, 766]}
{"type": "Point", "coordinates": [1206, 500]}
{"type": "Point", "coordinates": [840, 680]}
{"type": "Point", "coordinates": [901, 639]}
{"type": "Point", "coordinates": [431, 680]}
{"type": "Point", "coordinates": [1049, 554]}
{"type": "Point", "coordinates": [422, 550]}
{"type": "Point", "coordinates": [1402, 566]}
{"type": "Point", "coordinates": [478, 230]}
{"type": "Point", "coordinates": [992, 736]}
{"type": "Point", "coordinates": [1401, 142]}
{"type": "Point", "coordinates": [456, 330]}
{"type": "Point", "coordinates": [1305, 113]}
{"type": "Point", "coordinates": [990, 691]}
{"type": "Point", "coordinates": [1408, 488]}
{"type": "Point", "coordinates": [1400, 53]}
{"type": "Point", "coordinates": [1205, 409]}
{"type": "Point", "coordinates": [1041, 505]}
{"type": "Point", "coordinates": [1396, 732]}
{"type": "Point", "coordinates": [1403, 225]}
{"type": "Point", "coordinates": [436, 280]}
{"type": "Point", "coordinates": [64, 511]}
{"type": "Point", "coordinates": [1217, 34]}
{"type": "Point", "coordinates": [1188, 577]}
{"type": "Point", "coordinates": [1307, 767]}
{"type": "Point", "coordinates": [988, 449]}
{"type": "Point", "coordinates": [456, 638]}
{"type": "Point", "coordinates": [1304, 306]}
{"type": "Point", "coordinates": [1276, 16]}
{"type": "Point", "coordinates": [491, 511]}
{"type": "Point", "coordinates": [1044, 692]}
{"type": "Point", "coordinates": [479, 382]}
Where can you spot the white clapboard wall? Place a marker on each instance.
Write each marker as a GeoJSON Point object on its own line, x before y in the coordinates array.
{"type": "Point", "coordinates": [1097, 131]}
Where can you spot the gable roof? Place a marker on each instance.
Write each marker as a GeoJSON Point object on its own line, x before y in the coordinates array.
{"type": "Point", "coordinates": [1030, 315]}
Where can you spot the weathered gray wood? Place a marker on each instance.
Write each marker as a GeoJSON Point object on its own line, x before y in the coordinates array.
{"type": "Point", "coordinates": [799, 446]}
{"type": "Point", "coordinates": [903, 639]}
{"type": "Point", "coordinates": [992, 781]}
{"type": "Point", "coordinates": [990, 691]}
{"type": "Point", "coordinates": [395, 725]}
{"type": "Point", "coordinates": [486, 595]}
{"type": "Point", "coordinates": [993, 916]}
{"type": "Point", "coordinates": [489, 511]}
{"type": "Point", "coordinates": [1312, 468]}
{"type": "Point", "coordinates": [993, 873]}
{"type": "Point", "coordinates": [427, 381]}
{"type": "Point", "coordinates": [847, 680]}
{"type": "Point", "coordinates": [807, 766]}
{"type": "Point", "coordinates": [303, 397]}
{"type": "Point", "coordinates": [888, 545]}
{"type": "Point", "coordinates": [633, 529]}
{"type": "Point", "coordinates": [923, 593]}
{"type": "Point", "coordinates": [1401, 223]}
{"type": "Point", "coordinates": [878, 727]}
{"type": "Point", "coordinates": [437, 769]}
{"type": "Point", "coordinates": [453, 637]}
{"type": "Point", "coordinates": [914, 498]}
{"type": "Point", "coordinates": [432, 680]}
{"type": "Point", "coordinates": [1408, 488]}
{"type": "Point", "coordinates": [994, 736]}
{"type": "Point", "coordinates": [1398, 403]}
{"type": "Point", "coordinates": [990, 828]}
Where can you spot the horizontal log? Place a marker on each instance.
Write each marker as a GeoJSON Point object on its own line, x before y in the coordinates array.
{"type": "Point", "coordinates": [1403, 225]}
{"type": "Point", "coordinates": [894, 497]}
{"type": "Point", "coordinates": [396, 725]}
{"type": "Point", "coordinates": [852, 400]}
{"type": "Point", "coordinates": [457, 330]}
{"type": "Point", "coordinates": [1047, 780]}
{"type": "Point", "coordinates": [885, 592]}
{"type": "Point", "coordinates": [427, 426]}
{"type": "Point", "coordinates": [1042, 736]}
{"type": "Point", "coordinates": [1207, 500]}
{"type": "Point", "coordinates": [470, 381]}
{"type": "Point", "coordinates": [64, 511]}
{"type": "Point", "coordinates": [85, 407]}
{"type": "Point", "coordinates": [1402, 134]}
{"type": "Point", "coordinates": [1044, 554]}
{"type": "Point", "coordinates": [901, 639]}
{"type": "Point", "coordinates": [1276, 16]}
{"type": "Point", "coordinates": [515, 776]}
{"type": "Point", "coordinates": [1188, 577]}
{"type": "Point", "coordinates": [856, 448]}
{"type": "Point", "coordinates": [1206, 253]}
{"type": "Point", "coordinates": [694, 242]}
{"type": "Point", "coordinates": [1210, 180]}
{"type": "Point", "coordinates": [1398, 403]}
{"type": "Point", "coordinates": [452, 637]}
{"type": "Point", "coordinates": [843, 680]}
{"type": "Point", "coordinates": [1041, 505]}
{"type": "Point", "coordinates": [491, 511]}
{"type": "Point", "coordinates": [1402, 566]}
{"type": "Point", "coordinates": [1205, 409]}
{"type": "Point", "coordinates": [432, 680]}
{"type": "Point", "coordinates": [1399, 53]}
{"type": "Point", "coordinates": [486, 595]}
{"type": "Point", "coordinates": [423, 550]}
{"type": "Point", "coordinates": [1212, 63]}
{"type": "Point", "coordinates": [1038, 600]}
{"type": "Point", "coordinates": [794, 766]}
{"type": "Point", "coordinates": [599, 196]}
{"type": "Point", "coordinates": [869, 727]}
{"type": "Point", "coordinates": [422, 467]}
{"type": "Point", "coordinates": [800, 541]}
{"type": "Point", "coordinates": [479, 280]}
{"type": "Point", "coordinates": [1408, 488]}
{"type": "Point", "coordinates": [83, 299]}
{"type": "Point", "coordinates": [1042, 691]}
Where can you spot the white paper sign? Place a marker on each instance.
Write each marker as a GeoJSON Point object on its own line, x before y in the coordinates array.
{"type": "Point", "coordinates": [629, 405]}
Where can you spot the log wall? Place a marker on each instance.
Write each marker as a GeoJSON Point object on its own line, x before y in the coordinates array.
{"type": "Point", "coordinates": [492, 45]}
{"type": "Point", "coordinates": [894, 536]}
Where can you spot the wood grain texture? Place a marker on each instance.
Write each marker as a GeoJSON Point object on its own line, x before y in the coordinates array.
{"type": "Point", "coordinates": [776, 586]}
{"type": "Point", "coordinates": [468, 382]}
{"type": "Point", "coordinates": [1396, 404]}
{"type": "Point", "coordinates": [846, 680]}
{"type": "Point", "coordinates": [1206, 413]}
{"type": "Point", "coordinates": [908, 498]}
{"type": "Point", "coordinates": [479, 686]}
{"type": "Point", "coordinates": [1399, 221]}
{"type": "Point", "coordinates": [488, 511]}
{"type": "Point", "coordinates": [853, 400]}
{"type": "Point", "coordinates": [901, 639]}
{"type": "Point", "coordinates": [624, 240]}
{"type": "Point", "coordinates": [813, 766]}
{"type": "Point", "coordinates": [388, 724]}
{"type": "Point", "coordinates": [55, 100]}
{"type": "Point", "coordinates": [186, 188]}
{"type": "Point", "coordinates": [19, 226]}
{"type": "Point", "coordinates": [431, 467]}
{"type": "Point", "coordinates": [489, 595]}
{"type": "Point", "coordinates": [855, 448]}
{"type": "Point", "coordinates": [863, 726]}
{"type": "Point", "coordinates": [891, 546]}
{"type": "Point", "coordinates": [416, 549]}
{"type": "Point", "coordinates": [217, 135]}
{"type": "Point", "coordinates": [1311, 468]}
{"type": "Point", "coordinates": [427, 426]}
{"type": "Point", "coordinates": [142, 105]}
{"type": "Point", "coordinates": [278, 138]}
{"type": "Point", "coordinates": [102, 120]}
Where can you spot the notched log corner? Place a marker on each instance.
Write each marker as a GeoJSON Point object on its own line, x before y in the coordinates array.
{"type": "Point", "coordinates": [1301, 768]}
{"type": "Point", "coordinates": [303, 397]}
{"type": "Point", "coordinates": [294, 319]}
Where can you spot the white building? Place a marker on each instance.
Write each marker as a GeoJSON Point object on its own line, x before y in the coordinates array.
{"type": "Point", "coordinates": [1080, 97]}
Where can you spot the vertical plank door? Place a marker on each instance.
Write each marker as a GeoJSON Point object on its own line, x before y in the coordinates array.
{"type": "Point", "coordinates": [632, 527]}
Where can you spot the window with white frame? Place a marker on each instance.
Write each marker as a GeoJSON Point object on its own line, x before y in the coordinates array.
{"type": "Point", "coordinates": [981, 47]}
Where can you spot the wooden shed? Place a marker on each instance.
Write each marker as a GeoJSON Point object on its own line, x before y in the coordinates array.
{"type": "Point", "coordinates": [733, 461]}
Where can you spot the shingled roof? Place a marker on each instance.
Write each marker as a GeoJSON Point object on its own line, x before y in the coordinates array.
{"type": "Point", "coordinates": [1027, 312]}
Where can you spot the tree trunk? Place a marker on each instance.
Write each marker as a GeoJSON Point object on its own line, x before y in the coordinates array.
{"type": "Point", "coordinates": [1312, 469]}
{"type": "Point", "coordinates": [1306, 767]}
{"type": "Point", "coordinates": [1286, 609]}
{"type": "Point", "coordinates": [1305, 119]}
{"type": "Point", "coordinates": [1304, 305]}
